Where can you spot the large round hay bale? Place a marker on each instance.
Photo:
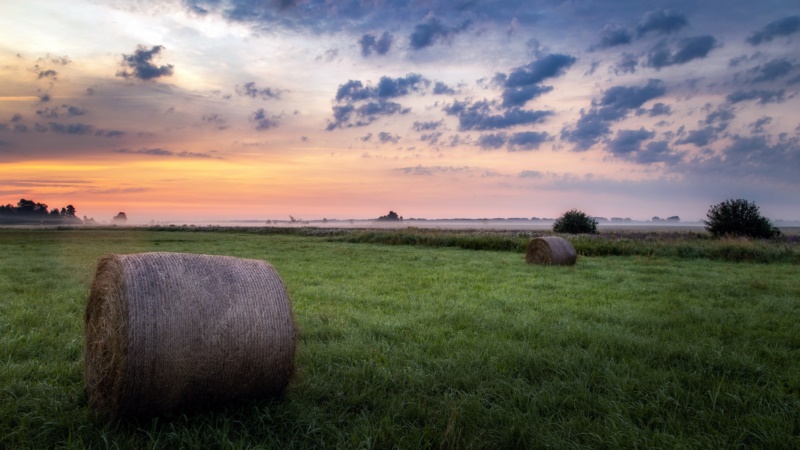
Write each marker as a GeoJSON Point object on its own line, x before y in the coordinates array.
{"type": "Point", "coordinates": [170, 330]}
{"type": "Point", "coordinates": [550, 250]}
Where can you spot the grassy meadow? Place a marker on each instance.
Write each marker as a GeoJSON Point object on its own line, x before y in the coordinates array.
{"type": "Point", "coordinates": [679, 342]}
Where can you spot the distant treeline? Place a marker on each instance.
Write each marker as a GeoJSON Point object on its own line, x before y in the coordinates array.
{"type": "Point", "coordinates": [31, 212]}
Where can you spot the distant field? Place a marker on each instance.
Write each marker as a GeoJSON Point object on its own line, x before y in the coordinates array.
{"type": "Point", "coordinates": [428, 344]}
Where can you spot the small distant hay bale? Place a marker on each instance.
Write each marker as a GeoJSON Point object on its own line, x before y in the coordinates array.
{"type": "Point", "coordinates": [550, 250]}
{"type": "Point", "coordinates": [166, 331]}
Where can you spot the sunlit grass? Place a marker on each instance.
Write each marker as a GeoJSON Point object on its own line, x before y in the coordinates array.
{"type": "Point", "coordinates": [418, 347]}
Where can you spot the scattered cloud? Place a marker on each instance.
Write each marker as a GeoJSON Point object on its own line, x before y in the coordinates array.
{"type": "Point", "coordinates": [250, 89]}
{"type": "Point", "coordinates": [360, 104]}
{"type": "Point", "coordinates": [661, 21]}
{"type": "Point", "coordinates": [685, 50]}
{"type": "Point", "coordinates": [141, 65]}
{"type": "Point", "coordinates": [614, 105]}
{"type": "Point", "coordinates": [427, 126]}
{"type": "Point", "coordinates": [427, 33]}
{"type": "Point", "coordinates": [263, 120]}
{"type": "Point", "coordinates": [388, 138]}
{"type": "Point", "coordinates": [523, 83]}
{"type": "Point", "coordinates": [763, 96]}
{"type": "Point", "coordinates": [772, 70]}
{"type": "Point", "coordinates": [480, 116]}
{"type": "Point", "coordinates": [612, 35]}
{"type": "Point", "coordinates": [162, 152]}
{"type": "Point", "coordinates": [381, 46]}
{"type": "Point", "coordinates": [432, 170]}
{"type": "Point", "coordinates": [781, 27]}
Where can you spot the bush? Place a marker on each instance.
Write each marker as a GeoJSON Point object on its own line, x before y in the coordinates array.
{"type": "Point", "coordinates": [739, 218]}
{"type": "Point", "coordinates": [575, 222]}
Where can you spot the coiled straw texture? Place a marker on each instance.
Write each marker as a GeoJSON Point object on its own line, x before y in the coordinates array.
{"type": "Point", "coordinates": [550, 250]}
{"type": "Point", "coordinates": [168, 330]}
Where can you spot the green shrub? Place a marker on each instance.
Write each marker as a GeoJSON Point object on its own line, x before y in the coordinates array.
{"type": "Point", "coordinates": [575, 222]}
{"type": "Point", "coordinates": [739, 218]}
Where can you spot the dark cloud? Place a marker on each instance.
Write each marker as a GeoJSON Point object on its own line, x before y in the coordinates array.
{"type": "Point", "coordinates": [44, 98]}
{"type": "Point", "coordinates": [660, 109]}
{"type": "Point", "coordinates": [613, 106]}
{"type": "Point", "coordinates": [522, 83]}
{"type": "Point", "coordinates": [431, 170]}
{"type": "Point", "coordinates": [49, 73]}
{"type": "Point", "coordinates": [492, 141]}
{"type": "Point", "coordinates": [109, 133]}
{"type": "Point", "coordinates": [627, 64]}
{"type": "Point", "coordinates": [21, 128]}
{"type": "Point", "coordinates": [431, 138]}
{"type": "Point", "coordinates": [722, 116]}
{"type": "Point", "coordinates": [162, 152]}
{"type": "Point", "coordinates": [78, 129]}
{"type": "Point", "coordinates": [380, 46]}
{"type": "Point", "coordinates": [763, 96]}
{"type": "Point", "coordinates": [781, 27]}
{"type": "Point", "coordinates": [73, 111]}
{"type": "Point", "coordinates": [216, 119]}
{"type": "Point", "coordinates": [522, 141]}
{"type": "Point", "coordinates": [263, 121]}
{"type": "Point", "coordinates": [354, 90]}
{"type": "Point", "coordinates": [358, 116]}
{"type": "Point", "coordinates": [655, 152]}
{"type": "Point", "coordinates": [427, 126]}
{"type": "Point", "coordinates": [141, 65]}
{"type": "Point", "coordinates": [360, 105]}
{"type": "Point", "coordinates": [16, 117]}
{"type": "Point", "coordinates": [479, 116]}
{"type": "Point", "coordinates": [520, 96]}
{"type": "Point", "coordinates": [772, 70]}
{"type": "Point", "coordinates": [388, 138]}
{"type": "Point", "coordinates": [685, 50]}
{"type": "Point", "coordinates": [432, 30]}
{"type": "Point", "coordinates": [55, 112]}
{"type": "Point", "coordinates": [527, 140]}
{"type": "Point", "coordinates": [71, 128]}
{"type": "Point", "coordinates": [628, 142]}
{"type": "Point", "coordinates": [440, 88]}
{"type": "Point", "coordinates": [711, 129]}
{"type": "Point", "coordinates": [250, 89]}
{"type": "Point", "coordinates": [758, 125]}
{"type": "Point", "coordinates": [530, 174]}
{"type": "Point", "coordinates": [145, 151]}
{"type": "Point", "coordinates": [756, 156]}
{"type": "Point", "coordinates": [662, 21]}
{"type": "Point", "coordinates": [700, 137]}
{"type": "Point", "coordinates": [366, 138]}
{"type": "Point", "coordinates": [613, 35]}
{"type": "Point", "coordinates": [47, 113]}
{"type": "Point", "coordinates": [60, 60]}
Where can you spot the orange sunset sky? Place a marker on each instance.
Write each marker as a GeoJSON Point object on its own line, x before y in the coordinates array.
{"type": "Point", "coordinates": [243, 109]}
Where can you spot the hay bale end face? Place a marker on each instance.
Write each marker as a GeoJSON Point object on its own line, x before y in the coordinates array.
{"type": "Point", "coordinates": [550, 250]}
{"type": "Point", "coordinates": [168, 330]}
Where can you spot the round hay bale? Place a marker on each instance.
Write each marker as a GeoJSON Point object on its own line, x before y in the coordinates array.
{"type": "Point", "coordinates": [550, 250]}
{"type": "Point", "coordinates": [170, 330]}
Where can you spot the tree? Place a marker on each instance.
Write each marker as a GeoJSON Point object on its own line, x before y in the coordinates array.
{"type": "Point", "coordinates": [391, 216]}
{"type": "Point", "coordinates": [120, 218]}
{"type": "Point", "coordinates": [739, 218]}
{"type": "Point", "coordinates": [575, 222]}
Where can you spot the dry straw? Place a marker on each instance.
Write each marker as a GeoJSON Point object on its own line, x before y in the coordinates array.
{"type": "Point", "coordinates": [550, 250]}
{"type": "Point", "coordinates": [169, 330]}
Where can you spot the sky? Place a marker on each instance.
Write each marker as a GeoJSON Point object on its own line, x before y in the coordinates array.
{"type": "Point", "coordinates": [264, 109]}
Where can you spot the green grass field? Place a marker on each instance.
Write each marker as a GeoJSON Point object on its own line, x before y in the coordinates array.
{"type": "Point", "coordinates": [409, 346]}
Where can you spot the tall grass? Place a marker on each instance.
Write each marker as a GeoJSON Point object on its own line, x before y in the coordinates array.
{"type": "Point", "coordinates": [419, 347]}
{"type": "Point", "coordinates": [684, 244]}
